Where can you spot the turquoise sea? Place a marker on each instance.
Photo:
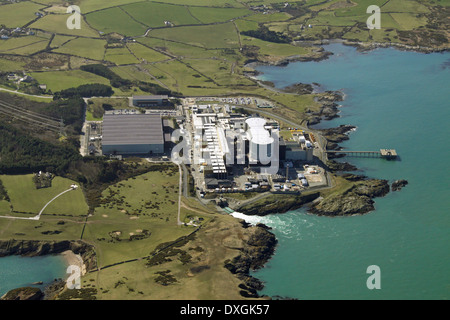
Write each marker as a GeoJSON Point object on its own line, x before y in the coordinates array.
{"type": "Point", "coordinates": [17, 271]}
{"type": "Point", "coordinates": [397, 99]}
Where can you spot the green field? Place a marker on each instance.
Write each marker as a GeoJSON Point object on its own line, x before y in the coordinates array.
{"type": "Point", "coordinates": [115, 20]}
{"type": "Point", "coordinates": [211, 15]}
{"type": "Point", "coordinates": [25, 198]}
{"type": "Point", "coordinates": [207, 36]}
{"type": "Point", "coordinates": [154, 14]}
{"type": "Point", "coordinates": [145, 53]}
{"type": "Point", "coordinates": [18, 14]}
{"type": "Point", "coordinates": [23, 45]}
{"type": "Point", "coordinates": [57, 23]}
{"type": "Point", "coordinates": [84, 47]}
{"type": "Point", "coordinates": [60, 80]}
{"type": "Point", "coordinates": [120, 56]}
{"type": "Point", "coordinates": [59, 40]}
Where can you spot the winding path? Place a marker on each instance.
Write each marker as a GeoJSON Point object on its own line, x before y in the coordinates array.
{"type": "Point", "coordinates": [42, 210]}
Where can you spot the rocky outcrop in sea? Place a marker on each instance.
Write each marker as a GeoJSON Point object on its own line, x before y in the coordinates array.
{"type": "Point", "coordinates": [358, 199]}
{"type": "Point", "coordinates": [398, 184]}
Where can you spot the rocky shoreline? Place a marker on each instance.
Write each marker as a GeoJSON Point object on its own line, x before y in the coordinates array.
{"type": "Point", "coordinates": [368, 46]}
{"type": "Point", "coordinates": [257, 250]}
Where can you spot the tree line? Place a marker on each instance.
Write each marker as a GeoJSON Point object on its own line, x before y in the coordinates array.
{"type": "Point", "coordinates": [265, 34]}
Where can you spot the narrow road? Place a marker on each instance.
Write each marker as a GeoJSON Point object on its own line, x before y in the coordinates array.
{"type": "Point", "coordinates": [26, 94]}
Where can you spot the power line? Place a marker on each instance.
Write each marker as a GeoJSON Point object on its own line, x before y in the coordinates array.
{"type": "Point", "coordinates": [26, 119]}
{"type": "Point", "coordinates": [28, 112]}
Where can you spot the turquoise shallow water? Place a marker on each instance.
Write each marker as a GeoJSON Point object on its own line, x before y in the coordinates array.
{"type": "Point", "coordinates": [398, 100]}
{"type": "Point", "coordinates": [17, 271]}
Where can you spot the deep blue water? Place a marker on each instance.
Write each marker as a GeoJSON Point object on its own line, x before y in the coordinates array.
{"type": "Point", "coordinates": [399, 100]}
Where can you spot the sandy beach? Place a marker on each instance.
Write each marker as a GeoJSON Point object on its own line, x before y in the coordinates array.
{"type": "Point", "coordinates": [74, 259]}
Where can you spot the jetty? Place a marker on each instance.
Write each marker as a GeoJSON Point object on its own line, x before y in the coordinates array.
{"type": "Point", "coordinates": [383, 153]}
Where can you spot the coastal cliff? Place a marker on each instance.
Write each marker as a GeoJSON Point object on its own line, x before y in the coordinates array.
{"type": "Point", "coordinates": [32, 248]}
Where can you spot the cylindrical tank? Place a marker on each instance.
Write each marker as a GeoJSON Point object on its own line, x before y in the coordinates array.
{"type": "Point", "coordinates": [260, 145]}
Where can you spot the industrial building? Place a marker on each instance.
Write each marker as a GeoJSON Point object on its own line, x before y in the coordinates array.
{"type": "Point", "coordinates": [150, 101]}
{"type": "Point", "coordinates": [132, 134]}
{"type": "Point", "coordinates": [210, 142]}
{"type": "Point", "coordinates": [295, 150]}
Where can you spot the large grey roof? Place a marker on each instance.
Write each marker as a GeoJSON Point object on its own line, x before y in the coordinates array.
{"type": "Point", "coordinates": [120, 129]}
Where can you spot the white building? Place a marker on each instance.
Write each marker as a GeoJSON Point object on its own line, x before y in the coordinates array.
{"type": "Point", "coordinates": [260, 140]}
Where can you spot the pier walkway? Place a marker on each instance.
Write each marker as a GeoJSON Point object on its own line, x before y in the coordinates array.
{"type": "Point", "coordinates": [383, 153]}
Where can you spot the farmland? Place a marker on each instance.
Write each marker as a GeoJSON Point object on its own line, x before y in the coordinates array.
{"type": "Point", "coordinates": [21, 187]}
{"type": "Point", "coordinates": [160, 31]}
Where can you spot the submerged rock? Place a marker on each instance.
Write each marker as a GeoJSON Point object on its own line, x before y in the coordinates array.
{"type": "Point", "coordinates": [398, 184]}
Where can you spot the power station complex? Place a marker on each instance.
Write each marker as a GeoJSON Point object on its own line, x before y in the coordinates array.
{"type": "Point", "coordinates": [221, 143]}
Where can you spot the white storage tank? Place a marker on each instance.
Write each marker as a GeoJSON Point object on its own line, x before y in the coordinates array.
{"type": "Point", "coordinates": [260, 145]}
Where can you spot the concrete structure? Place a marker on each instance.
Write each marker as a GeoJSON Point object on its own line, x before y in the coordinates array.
{"type": "Point", "coordinates": [296, 151]}
{"type": "Point", "coordinates": [132, 134]}
{"type": "Point", "coordinates": [260, 141]}
{"type": "Point", "coordinates": [150, 101]}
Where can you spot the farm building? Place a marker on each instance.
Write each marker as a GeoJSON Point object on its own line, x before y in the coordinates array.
{"type": "Point", "coordinates": [132, 134]}
{"type": "Point", "coordinates": [150, 101]}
